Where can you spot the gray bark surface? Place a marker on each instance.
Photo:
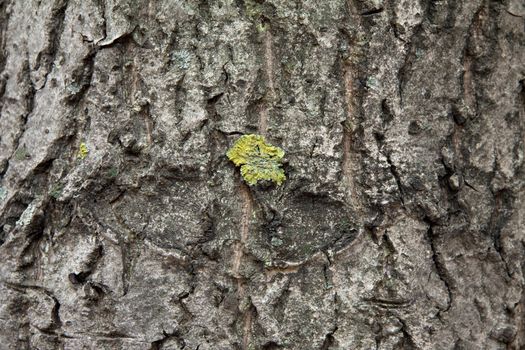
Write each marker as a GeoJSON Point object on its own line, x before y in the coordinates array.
{"type": "Point", "coordinates": [400, 224]}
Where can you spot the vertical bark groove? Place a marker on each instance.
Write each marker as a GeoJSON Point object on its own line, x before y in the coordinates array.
{"type": "Point", "coordinates": [398, 225]}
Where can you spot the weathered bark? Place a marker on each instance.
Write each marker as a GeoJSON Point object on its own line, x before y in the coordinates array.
{"type": "Point", "coordinates": [400, 224]}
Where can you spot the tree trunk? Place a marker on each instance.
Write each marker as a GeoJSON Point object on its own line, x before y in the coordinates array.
{"type": "Point", "coordinates": [125, 226]}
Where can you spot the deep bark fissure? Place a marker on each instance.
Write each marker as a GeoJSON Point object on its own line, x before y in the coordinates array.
{"type": "Point", "coordinates": [404, 71]}
{"type": "Point", "coordinates": [4, 22]}
{"type": "Point", "coordinates": [499, 217]}
{"type": "Point", "coordinates": [47, 56]}
{"type": "Point", "coordinates": [159, 344]}
{"type": "Point", "coordinates": [29, 99]}
{"type": "Point", "coordinates": [397, 178]}
{"type": "Point", "coordinates": [83, 78]}
{"type": "Point", "coordinates": [441, 269]}
{"type": "Point", "coordinates": [408, 340]}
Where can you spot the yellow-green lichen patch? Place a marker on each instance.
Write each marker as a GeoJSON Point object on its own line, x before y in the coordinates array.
{"type": "Point", "coordinates": [258, 160]}
{"type": "Point", "coordinates": [82, 151]}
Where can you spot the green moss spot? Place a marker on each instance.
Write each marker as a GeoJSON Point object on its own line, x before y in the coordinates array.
{"type": "Point", "coordinates": [82, 151]}
{"type": "Point", "coordinates": [258, 160]}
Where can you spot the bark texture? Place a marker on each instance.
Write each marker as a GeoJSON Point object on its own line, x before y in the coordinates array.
{"type": "Point", "coordinates": [400, 224]}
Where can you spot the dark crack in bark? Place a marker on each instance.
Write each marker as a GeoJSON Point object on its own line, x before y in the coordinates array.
{"type": "Point", "coordinates": [397, 177]}
{"type": "Point", "coordinates": [441, 269]}
{"type": "Point", "coordinates": [55, 28]}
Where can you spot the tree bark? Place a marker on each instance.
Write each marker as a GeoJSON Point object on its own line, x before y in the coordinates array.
{"type": "Point", "coordinates": [123, 225]}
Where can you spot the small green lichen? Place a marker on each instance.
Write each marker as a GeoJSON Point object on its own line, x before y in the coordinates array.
{"type": "Point", "coordinates": [82, 151]}
{"type": "Point", "coordinates": [56, 190]}
{"type": "Point", "coordinates": [372, 83]}
{"type": "Point", "coordinates": [253, 9]}
{"type": "Point", "coordinates": [276, 242]}
{"type": "Point", "coordinates": [258, 160]}
{"type": "Point", "coordinates": [27, 215]}
{"type": "Point", "coordinates": [182, 58]}
{"type": "Point", "coordinates": [112, 172]}
{"type": "Point", "coordinates": [3, 193]}
{"type": "Point", "coordinates": [21, 154]}
{"type": "Point", "coordinates": [261, 27]}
